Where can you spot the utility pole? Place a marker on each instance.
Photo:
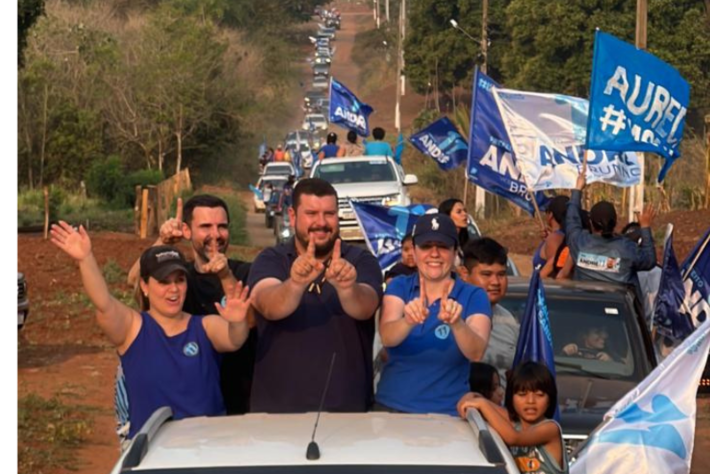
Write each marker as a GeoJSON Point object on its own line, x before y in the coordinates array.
{"type": "Point", "coordinates": [636, 192]}
{"type": "Point", "coordinates": [480, 206]}
{"type": "Point", "coordinates": [398, 89]}
{"type": "Point", "coordinates": [387, 10]}
{"type": "Point", "coordinates": [377, 13]}
{"type": "Point", "coordinates": [403, 28]}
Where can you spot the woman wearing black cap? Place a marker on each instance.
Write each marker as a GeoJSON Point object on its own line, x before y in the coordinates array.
{"type": "Point", "coordinates": [602, 255]}
{"type": "Point", "coordinates": [433, 325]}
{"type": "Point", "coordinates": [548, 252]}
{"type": "Point", "coordinates": [169, 358]}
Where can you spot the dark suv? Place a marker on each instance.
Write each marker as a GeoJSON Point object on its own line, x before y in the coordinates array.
{"type": "Point", "coordinates": [588, 387]}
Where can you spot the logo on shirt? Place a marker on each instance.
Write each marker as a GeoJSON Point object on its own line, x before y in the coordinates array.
{"type": "Point", "coordinates": [191, 349]}
{"type": "Point", "coordinates": [442, 331]}
{"type": "Point", "coordinates": [599, 263]}
{"type": "Point", "coordinates": [434, 224]}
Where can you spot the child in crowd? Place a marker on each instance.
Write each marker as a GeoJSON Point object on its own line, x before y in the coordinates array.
{"type": "Point", "coordinates": [484, 379]}
{"type": "Point", "coordinates": [526, 424]}
{"type": "Point", "coordinates": [407, 265]}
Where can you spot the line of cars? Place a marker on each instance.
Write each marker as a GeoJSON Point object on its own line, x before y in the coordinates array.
{"type": "Point", "coordinates": [316, 100]}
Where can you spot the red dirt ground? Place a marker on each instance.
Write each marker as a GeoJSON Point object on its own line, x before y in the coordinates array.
{"type": "Point", "coordinates": [61, 350]}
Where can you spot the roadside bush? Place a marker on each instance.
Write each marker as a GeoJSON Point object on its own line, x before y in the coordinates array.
{"type": "Point", "coordinates": [105, 178]}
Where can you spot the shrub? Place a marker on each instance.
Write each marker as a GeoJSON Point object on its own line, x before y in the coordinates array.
{"type": "Point", "coordinates": [105, 179]}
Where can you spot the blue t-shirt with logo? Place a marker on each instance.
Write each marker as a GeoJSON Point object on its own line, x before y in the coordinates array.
{"type": "Point", "coordinates": [378, 148]}
{"type": "Point", "coordinates": [427, 372]}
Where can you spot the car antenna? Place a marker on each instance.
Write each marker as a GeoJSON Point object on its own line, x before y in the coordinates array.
{"type": "Point", "coordinates": [313, 452]}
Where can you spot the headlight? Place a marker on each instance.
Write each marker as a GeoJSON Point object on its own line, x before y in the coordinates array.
{"type": "Point", "coordinates": [393, 200]}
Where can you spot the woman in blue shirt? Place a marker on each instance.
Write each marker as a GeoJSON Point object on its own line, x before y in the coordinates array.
{"type": "Point", "coordinates": [169, 357]}
{"type": "Point", "coordinates": [433, 324]}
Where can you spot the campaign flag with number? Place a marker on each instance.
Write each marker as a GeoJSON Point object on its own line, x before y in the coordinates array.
{"type": "Point", "coordinates": [638, 102]}
{"type": "Point", "coordinates": [696, 278]}
{"type": "Point", "coordinates": [442, 141]}
{"type": "Point", "coordinates": [535, 340]}
{"type": "Point", "coordinates": [669, 315]}
{"type": "Point", "coordinates": [385, 227]}
{"type": "Point", "coordinates": [346, 109]}
{"type": "Point", "coordinates": [652, 428]}
{"type": "Point", "coordinates": [548, 131]}
{"type": "Point", "coordinates": [491, 161]}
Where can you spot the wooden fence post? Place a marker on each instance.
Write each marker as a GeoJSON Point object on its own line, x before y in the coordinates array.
{"type": "Point", "coordinates": [153, 224]}
{"type": "Point", "coordinates": [45, 191]}
{"type": "Point", "coordinates": [144, 214]}
{"type": "Point", "coordinates": [137, 211]}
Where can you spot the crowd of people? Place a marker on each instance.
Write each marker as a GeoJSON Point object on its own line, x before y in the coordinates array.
{"type": "Point", "coordinates": [217, 336]}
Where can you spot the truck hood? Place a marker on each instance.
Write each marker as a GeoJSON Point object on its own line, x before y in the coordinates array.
{"type": "Point", "coordinates": [583, 401]}
{"type": "Point", "coordinates": [364, 190]}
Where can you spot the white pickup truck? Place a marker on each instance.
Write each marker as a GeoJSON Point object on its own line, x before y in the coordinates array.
{"type": "Point", "coordinates": [370, 179]}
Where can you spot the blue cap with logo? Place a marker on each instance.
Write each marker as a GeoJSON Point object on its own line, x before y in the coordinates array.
{"type": "Point", "coordinates": [435, 228]}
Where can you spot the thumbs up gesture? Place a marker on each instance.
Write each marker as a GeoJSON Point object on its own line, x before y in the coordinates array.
{"type": "Point", "coordinates": [171, 230]}
{"type": "Point", "coordinates": [341, 273]}
{"type": "Point", "coordinates": [306, 267]}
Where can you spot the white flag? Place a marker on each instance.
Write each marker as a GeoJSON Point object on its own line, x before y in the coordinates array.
{"type": "Point", "coordinates": [548, 131]}
{"type": "Point", "coordinates": [652, 428]}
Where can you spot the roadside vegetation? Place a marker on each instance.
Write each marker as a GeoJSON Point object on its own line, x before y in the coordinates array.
{"type": "Point", "coordinates": [49, 434]}
{"type": "Point", "coordinates": [114, 94]}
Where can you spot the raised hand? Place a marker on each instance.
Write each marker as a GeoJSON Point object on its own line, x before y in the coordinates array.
{"type": "Point", "coordinates": [341, 273]}
{"type": "Point", "coordinates": [171, 230]}
{"type": "Point", "coordinates": [74, 243]}
{"type": "Point", "coordinates": [450, 311]}
{"type": "Point", "coordinates": [237, 304]}
{"type": "Point", "coordinates": [306, 267]}
{"type": "Point", "coordinates": [581, 179]}
{"type": "Point", "coordinates": [645, 219]}
{"type": "Point", "coordinates": [218, 262]}
{"type": "Point", "coordinates": [417, 310]}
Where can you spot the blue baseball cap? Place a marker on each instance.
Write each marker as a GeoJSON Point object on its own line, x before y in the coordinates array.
{"type": "Point", "coordinates": [435, 228]}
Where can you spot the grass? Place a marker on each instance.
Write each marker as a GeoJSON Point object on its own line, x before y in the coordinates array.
{"type": "Point", "coordinates": [49, 433]}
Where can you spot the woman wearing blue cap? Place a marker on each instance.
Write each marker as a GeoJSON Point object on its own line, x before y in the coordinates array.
{"type": "Point", "coordinates": [433, 325]}
{"type": "Point", "coordinates": [169, 357]}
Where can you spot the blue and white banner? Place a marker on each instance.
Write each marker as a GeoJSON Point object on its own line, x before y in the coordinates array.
{"type": "Point", "coordinates": [696, 279]}
{"type": "Point", "coordinates": [491, 161]}
{"type": "Point", "coordinates": [548, 131]}
{"type": "Point", "coordinates": [347, 111]}
{"type": "Point", "coordinates": [257, 192]}
{"type": "Point", "coordinates": [669, 315]}
{"type": "Point", "coordinates": [535, 340]}
{"type": "Point", "coordinates": [399, 149]}
{"type": "Point", "coordinates": [652, 428]}
{"type": "Point", "coordinates": [638, 102]}
{"type": "Point", "coordinates": [442, 141]}
{"type": "Point", "coordinates": [385, 227]}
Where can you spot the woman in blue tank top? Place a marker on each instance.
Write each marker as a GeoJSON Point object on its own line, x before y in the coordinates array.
{"type": "Point", "coordinates": [169, 358]}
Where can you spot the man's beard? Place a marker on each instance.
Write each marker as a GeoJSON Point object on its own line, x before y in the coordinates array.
{"type": "Point", "coordinates": [322, 250]}
{"type": "Point", "coordinates": [222, 245]}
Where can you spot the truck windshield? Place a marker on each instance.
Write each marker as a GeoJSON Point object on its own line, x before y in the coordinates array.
{"type": "Point", "coordinates": [363, 171]}
{"type": "Point", "coordinates": [585, 328]}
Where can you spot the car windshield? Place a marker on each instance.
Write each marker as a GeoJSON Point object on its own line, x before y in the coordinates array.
{"type": "Point", "coordinates": [317, 119]}
{"type": "Point", "coordinates": [583, 328]}
{"type": "Point", "coordinates": [363, 171]}
{"type": "Point", "coordinates": [278, 169]}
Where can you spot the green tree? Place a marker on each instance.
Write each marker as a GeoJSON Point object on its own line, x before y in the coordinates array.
{"type": "Point", "coordinates": [28, 11]}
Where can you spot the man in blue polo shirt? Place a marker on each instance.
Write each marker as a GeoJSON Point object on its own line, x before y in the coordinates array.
{"type": "Point", "coordinates": [433, 325]}
{"type": "Point", "coordinates": [314, 296]}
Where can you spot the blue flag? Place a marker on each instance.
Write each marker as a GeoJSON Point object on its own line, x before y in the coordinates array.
{"type": "Point", "coordinates": [256, 191]}
{"type": "Point", "coordinates": [637, 103]}
{"type": "Point", "coordinates": [347, 111]}
{"type": "Point", "coordinates": [399, 149]}
{"type": "Point", "coordinates": [696, 277]}
{"type": "Point", "coordinates": [262, 147]}
{"type": "Point", "coordinates": [535, 340]}
{"type": "Point", "coordinates": [441, 141]}
{"type": "Point", "coordinates": [491, 161]}
{"type": "Point", "coordinates": [385, 227]}
{"type": "Point", "coordinates": [669, 316]}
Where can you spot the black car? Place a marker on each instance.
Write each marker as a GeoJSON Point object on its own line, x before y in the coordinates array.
{"type": "Point", "coordinates": [588, 387]}
{"type": "Point", "coordinates": [321, 70]}
{"type": "Point", "coordinates": [313, 95]}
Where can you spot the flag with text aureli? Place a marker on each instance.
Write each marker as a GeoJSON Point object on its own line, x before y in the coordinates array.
{"type": "Point", "coordinates": [652, 428]}
{"type": "Point", "coordinates": [347, 111]}
{"type": "Point", "coordinates": [535, 340]}
{"type": "Point", "coordinates": [637, 101]}
{"type": "Point", "coordinates": [442, 142]}
{"type": "Point", "coordinates": [547, 132]}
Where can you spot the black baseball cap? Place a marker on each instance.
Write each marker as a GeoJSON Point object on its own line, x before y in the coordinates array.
{"type": "Point", "coordinates": [159, 262]}
{"type": "Point", "coordinates": [435, 228]}
{"type": "Point", "coordinates": [603, 216]}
